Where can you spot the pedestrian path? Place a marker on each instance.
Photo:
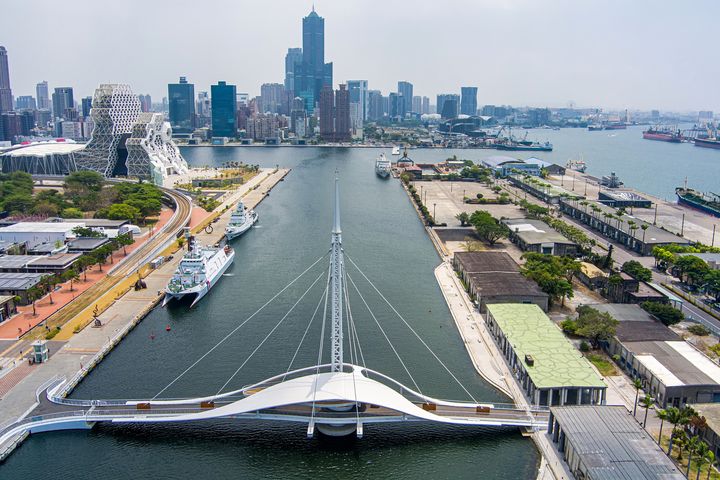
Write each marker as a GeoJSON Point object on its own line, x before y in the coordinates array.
{"type": "Point", "coordinates": [15, 376]}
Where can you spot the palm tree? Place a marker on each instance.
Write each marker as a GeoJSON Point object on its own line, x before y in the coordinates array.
{"type": "Point", "coordinates": [637, 383]}
{"type": "Point", "coordinates": [678, 416]}
{"type": "Point", "coordinates": [33, 293]}
{"type": "Point", "coordinates": [710, 459]}
{"type": "Point", "coordinates": [693, 443]}
{"type": "Point", "coordinates": [646, 402]}
{"type": "Point", "coordinates": [674, 417]}
{"type": "Point", "coordinates": [662, 415]}
{"type": "Point", "coordinates": [48, 282]}
{"type": "Point", "coordinates": [644, 227]}
{"type": "Point", "coordinates": [702, 451]}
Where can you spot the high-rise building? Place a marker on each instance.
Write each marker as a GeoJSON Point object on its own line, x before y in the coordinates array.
{"type": "Point", "coordinates": [292, 58]}
{"type": "Point", "coordinates": [223, 98]}
{"type": "Point", "coordinates": [447, 105]}
{"type": "Point", "coordinates": [203, 105]}
{"type": "Point", "coordinates": [468, 101]}
{"type": "Point", "coordinates": [425, 105]}
{"type": "Point", "coordinates": [358, 90]}
{"type": "Point", "coordinates": [271, 97]}
{"type": "Point", "coordinates": [375, 105]}
{"type": "Point", "coordinates": [406, 90]}
{"type": "Point", "coordinates": [417, 104]}
{"type": "Point", "coordinates": [181, 105]}
{"type": "Point", "coordinates": [63, 102]}
{"type": "Point", "coordinates": [25, 102]}
{"type": "Point", "coordinates": [86, 104]}
{"type": "Point", "coordinates": [43, 96]}
{"type": "Point", "coordinates": [312, 73]}
{"type": "Point", "coordinates": [263, 127]}
{"type": "Point", "coordinates": [396, 106]}
{"type": "Point", "coordinates": [342, 114]}
{"type": "Point", "coordinates": [6, 100]}
{"type": "Point", "coordinates": [298, 117]}
{"type": "Point", "coordinates": [145, 103]}
{"type": "Point", "coordinates": [327, 113]}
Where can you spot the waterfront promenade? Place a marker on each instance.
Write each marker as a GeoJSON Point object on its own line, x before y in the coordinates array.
{"type": "Point", "coordinates": [83, 350]}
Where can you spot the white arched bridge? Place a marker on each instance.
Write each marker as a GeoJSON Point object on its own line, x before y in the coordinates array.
{"type": "Point", "coordinates": [336, 398]}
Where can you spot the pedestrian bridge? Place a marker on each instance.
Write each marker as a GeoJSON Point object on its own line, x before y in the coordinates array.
{"type": "Point", "coordinates": [337, 403]}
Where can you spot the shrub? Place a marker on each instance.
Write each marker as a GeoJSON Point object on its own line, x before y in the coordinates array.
{"type": "Point", "coordinates": [666, 313]}
{"type": "Point", "coordinates": [584, 346]}
{"type": "Point", "coordinates": [699, 330]}
{"type": "Point", "coordinates": [569, 326]}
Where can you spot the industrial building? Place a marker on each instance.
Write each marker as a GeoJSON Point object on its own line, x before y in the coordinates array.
{"type": "Point", "coordinates": [672, 371]}
{"type": "Point", "coordinates": [623, 199]}
{"type": "Point", "coordinates": [606, 442]}
{"type": "Point", "coordinates": [494, 277]}
{"type": "Point", "coordinates": [17, 284]}
{"type": "Point", "coordinates": [31, 234]}
{"type": "Point", "coordinates": [7, 307]}
{"type": "Point", "coordinates": [53, 264]}
{"type": "Point", "coordinates": [549, 368]}
{"type": "Point", "coordinates": [710, 434]}
{"type": "Point", "coordinates": [42, 158]}
{"type": "Point", "coordinates": [548, 193]}
{"type": "Point", "coordinates": [633, 233]}
{"type": "Point", "coordinates": [533, 235]}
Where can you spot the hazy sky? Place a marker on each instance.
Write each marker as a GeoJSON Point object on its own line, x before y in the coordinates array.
{"type": "Point", "coordinates": [612, 53]}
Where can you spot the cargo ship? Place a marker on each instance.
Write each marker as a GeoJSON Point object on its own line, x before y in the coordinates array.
{"type": "Point", "coordinates": [708, 142]}
{"type": "Point", "coordinates": [663, 135]}
{"type": "Point", "coordinates": [707, 202]}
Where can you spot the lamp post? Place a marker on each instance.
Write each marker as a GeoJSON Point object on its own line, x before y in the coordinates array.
{"type": "Point", "coordinates": [434, 205]}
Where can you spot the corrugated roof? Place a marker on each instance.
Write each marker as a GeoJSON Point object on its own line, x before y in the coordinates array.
{"type": "Point", "coordinates": [612, 445]}
{"type": "Point", "coordinates": [19, 281]}
{"type": "Point", "coordinates": [530, 332]}
{"type": "Point", "coordinates": [476, 262]}
{"type": "Point", "coordinates": [678, 357]}
{"type": "Point", "coordinates": [504, 284]}
{"type": "Point", "coordinates": [533, 231]}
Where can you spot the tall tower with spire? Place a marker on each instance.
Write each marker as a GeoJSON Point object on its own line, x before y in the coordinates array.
{"type": "Point", "coordinates": [6, 100]}
{"type": "Point", "coordinates": [312, 72]}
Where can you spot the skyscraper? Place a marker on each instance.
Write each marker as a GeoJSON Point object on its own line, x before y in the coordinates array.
{"type": "Point", "coordinates": [271, 95]}
{"type": "Point", "coordinates": [417, 104]}
{"type": "Point", "coordinates": [181, 99]}
{"type": "Point", "coordinates": [406, 90]}
{"type": "Point", "coordinates": [468, 101]}
{"type": "Point", "coordinates": [425, 105]}
{"type": "Point", "coordinates": [86, 103]}
{"type": "Point", "coordinates": [63, 102]}
{"type": "Point", "coordinates": [145, 103]}
{"type": "Point", "coordinates": [312, 73]}
{"type": "Point", "coordinates": [292, 58]}
{"type": "Point", "coordinates": [43, 95]}
{"type": "Point", "coordinates": [396, 106]}
{"type": "Point", "coordinates": [327, 113]}
{"type": "Point", "coordinates": [223, 98]}
{"type": "Point", "coordinates": [447, 105]}
{"type": "Point", "coordinates": [6, 100]}
{"type": "Point", "coordinates": [375, 105]}
{"type": "Point", "coordinates": [342, 114]}
{"type": "Point", "coordinates": [358, 90]}
{"type": "Point", "coordinates": [25, 102]}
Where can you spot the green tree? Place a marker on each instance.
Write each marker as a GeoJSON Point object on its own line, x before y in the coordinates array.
{"type": "Point", "coordinates": [691, 269]}
{"type": "Point", "coordinates": [122, 211]}
{"type": "Point", "coordinates": [72, 276]}
{"type": "Point", "coordinates": [125, 240]}
{"type": "Point", "coordinates": [487, 227]}
{"type": "Point", "coordinates": [18, 203]}
{"type": "Point", "coordinates": [87, 232]}
{"type": "Point", "coordinates": [594, 325]}
{"type": "Point", "coordinates": [71, 212]}
{"type": "Point", "coordinates": [712, 283]}
{"type": "Point", "coordinates": [647, 402]}
{"type": "Point", "coordinates": [664, 312]}
{"type": "Point", "coordinates": [692, 445]}
{"type": "Point", "coordinates": [464, 218]}
{"type": "Point", "coordinates": [662, 415]}
{"type": "Point", "coordinates": [83, 188]}
{"type": "Point", "coordinates": [34, 293]}
{"type": "Point", "coordinates": [635, 269]}
{"type": "Point", "coordinates": [637, 383]}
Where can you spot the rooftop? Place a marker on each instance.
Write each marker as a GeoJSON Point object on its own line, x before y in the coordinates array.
{"type": "Point", "coordinates": [547, 188]}
{"type": "Point", "coordinates": [45, 227]}
{"type": "Point", "coordinates": [10, 262]}
{"type": "Point", "coordinates": [87, 243]}
{"type": "Point", "coordinates": [48, 148]}
{"type": "Point", "coordinates": [711, 412]}
{"type": "Point", "coordinates": [612, 444]}
{"type": "Point", "coordinates": [55, 261]}
{"type": "Point", "coordinates": [497, 160]}
{"type": "Point", "coordinates": [622, 195]}
{"type": "Point", "coordinates": [533, 231]}
{"type": "Point", "coordinates": [592, 271]}
{"type": "Point", "coordinates": [19, 281]}
{"type": "Point", "coordinates": [636, 324]}
{"type": "Point", "coordinates": [675, 363]}
{"type": "Point", "coordinates": [506, 284]}
{"type": "Point", "coordinates": [531, 332]}
{"type": "Point", "coordinates": [476, 262]}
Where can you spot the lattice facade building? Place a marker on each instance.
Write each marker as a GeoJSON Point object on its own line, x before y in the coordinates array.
{"type": "Point", "coordinates": [151, 153]}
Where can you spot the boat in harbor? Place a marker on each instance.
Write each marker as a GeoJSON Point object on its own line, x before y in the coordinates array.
{"type": "Point", "coordinates": [708, 142]}
{"type": "Point", "coordinates": [241, 220]}
{"type": "Point", "coordinates": [663, 134]}
{"type": "Point", "coordinates": [706, 202]}
{"type": "Point", "coordinates": [382, 166]}
{"type": "Point", "coordinates": [524, 146]}
{"type": "Point", "coordinates": [396, 151]}
{"type": "Point", "coordinates": [199, 270]}
{"type": "Point", "coordinates": [595, 127]}
{"type": "Point", "coordinates": [577, 165]}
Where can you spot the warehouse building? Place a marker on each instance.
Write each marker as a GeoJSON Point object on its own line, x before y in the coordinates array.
{"type": "Point", "coordinates": [623, 199]}
{"type": "Point", "coordinates": [533, 235]}
{"type": "Point", "coordinates": [672, 371]}
{"type": "Point", "coordinates": [494, 277]}
{"type": "Point", "coordinates": [549, 368]}
{"type": "Point", "coordinates": [31, 234]}
{"type": "Point", "coordinates": [53, 264]}
{"type": "Point", "coordinates": [17, 284]}
{"type": "Point", "coordinates": [605, 442]}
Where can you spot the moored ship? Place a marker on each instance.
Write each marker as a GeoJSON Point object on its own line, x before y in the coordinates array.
{"type": "Point", "coordinates": [577, 165]}
{"type": "Point", "coordinates": [240, 221]}
{"type": "Point", "coordinates": [199, 270]}
{"type": "Point", "coordinates": [523, 146]}
{"type": "Point", "coordinates": [382, 166]}
{"type": "Point", "coordinates": [707, 202]}
{"type": "Point", "coordinates": [663, 135]}
{"type": "Point", "coordinates": [708, 142]}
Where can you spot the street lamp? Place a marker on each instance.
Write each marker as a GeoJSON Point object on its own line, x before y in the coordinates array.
{"type": "Point", "coordinates": [434, 205]}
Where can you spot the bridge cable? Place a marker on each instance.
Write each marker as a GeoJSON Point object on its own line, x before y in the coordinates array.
{"type": "Point", "coordinates": [239, 326]}
{"type": "Point", "coordinates": [385, 335]}
{"type": "Point", "coordinates": [302, 340]}
{"type": "Point", "coordinates": [353, 344]}
{"type": "Point", "coordinates": [353, 329]}
{"type": "Point", "coordinates": [277, 325]}
{"type": "Point", "coordinates": [412, 330]}
{"type": "Point", "coordinates": [320, 349]}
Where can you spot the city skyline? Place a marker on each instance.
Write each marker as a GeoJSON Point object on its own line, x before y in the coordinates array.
{"type": "Point", "coordinates": [528, 62]}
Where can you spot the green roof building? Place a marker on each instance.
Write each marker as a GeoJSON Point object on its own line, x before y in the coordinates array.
{"type": "Point", "coordinates": [549, 368]}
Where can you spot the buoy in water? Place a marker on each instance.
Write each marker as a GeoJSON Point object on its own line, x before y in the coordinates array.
{"type": "Point", "coordinates": [167, 328]}
{"type": "Point", "coordinates": [152, 336]}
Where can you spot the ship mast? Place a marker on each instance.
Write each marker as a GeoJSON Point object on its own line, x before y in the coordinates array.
{"type": "Point", "coordinates": [337, 270]}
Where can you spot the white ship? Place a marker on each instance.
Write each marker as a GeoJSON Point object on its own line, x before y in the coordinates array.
{"type": "Point", "coordinates": [396, 151]}
{"type": "Point", "coordinates": [198, 272]}
{"type": "Point", "coordinates": [240, 221]}
{"type": "Point", "coordinates": [382, 166]}
{"type": "Point", "coordinates": [577, 165]}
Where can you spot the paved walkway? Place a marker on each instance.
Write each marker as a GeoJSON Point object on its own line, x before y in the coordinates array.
{"type": "Point", "coordinates": [81, 348]}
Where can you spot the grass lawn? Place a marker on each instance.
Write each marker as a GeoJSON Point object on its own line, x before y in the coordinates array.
{"type": "Point", "coordinates": [602, 363]}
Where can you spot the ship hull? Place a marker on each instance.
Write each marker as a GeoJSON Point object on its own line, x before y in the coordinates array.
{"type": "Point", "coordinates": [698, 205]}
{"type": "Point", "coordinates": [661, 137]}
{"type": "Point", "coordinates": [523, 148]}
{"type": "Point", "coordinates": [701, 142]}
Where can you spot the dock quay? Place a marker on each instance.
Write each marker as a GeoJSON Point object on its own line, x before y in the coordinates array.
{"type": "Point", "coordinates": [76, 357]}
